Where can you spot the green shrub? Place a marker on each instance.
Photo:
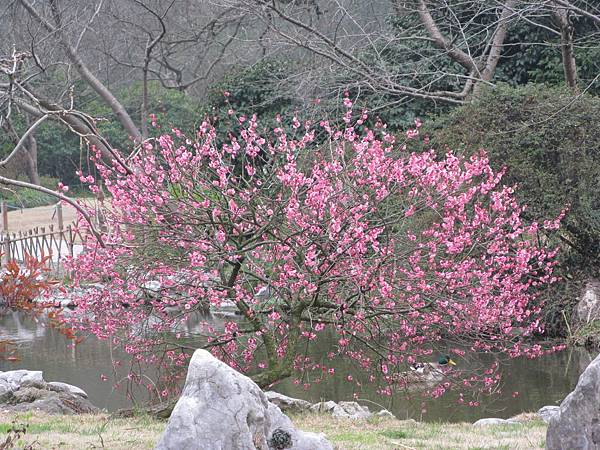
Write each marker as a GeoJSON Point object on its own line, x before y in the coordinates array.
{"type": "Point", "coordinates": [17, 197]}
{"type": "Point", "coordinates": [61, 153]}
{"type": "Point", "coordinates": [549, 142]}
{"type": "Point", "coordinates": [251, 90]}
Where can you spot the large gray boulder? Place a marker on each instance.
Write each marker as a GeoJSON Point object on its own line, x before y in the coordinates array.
{"type": "Point", "coordinates": [221, 409]}
{"type": "Point", "coordinates": [576, 426]}
{"type": "Point", "coordinates": [37, 397]}
{"type": "Point", "coordinates": [12, 379]}
{"type": "Point", "coordinates": [58, 386]}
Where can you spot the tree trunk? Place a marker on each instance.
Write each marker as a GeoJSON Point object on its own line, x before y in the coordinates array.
{"type": "Point", "coordinates": [487, 74]}
{"type": "Point", "coordinates": [561, 16]}
{"type": "Point", "coordinates": [31, 161]}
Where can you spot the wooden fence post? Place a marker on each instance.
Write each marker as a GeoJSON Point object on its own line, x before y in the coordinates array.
{"type": "Point", "coordinates": [4, 216]}
{"type": "Point", "coordinates": [5, 240]}
{"type": "Point", "coordinates": [4, 237]}
{"type": "Point", "coordinates": [59, 215]}
{"type": "Point", "coordinates": [38, 241]}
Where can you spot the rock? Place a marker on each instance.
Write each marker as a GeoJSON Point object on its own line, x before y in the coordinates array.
{"type": "Point", "coordinates": [408, 422]}
{"type": "Point", "coordinates": [576, 426]}
{"type": "Point", "coordinates": [64, 297]}
{"type": "Point", "coordinates": [286, 403]}
{"type": "Point", "coordinates": [495, 421]}
{"type": "Point", "coordinates": [301, 440]}
{"type": "Point", "coordinates": [26, 390]}
{"type": "Point", "coordinates": [12, 380]}
{"type": "Point", "coordinates": [15, 378]}
{"type": "Point", "coordinates": [344, 410]}
{"type": "Point", "coordinates": [547, 412]}
{"type": "Point", "coordinates": [221, 409]}
{"type": "Point", "coordinates": [324, 407]}
{"type": "Point", "coordinates": [152, 285]}
{"type": "Point", "coordinates": [588, 308]}
{"type": "Point", "coordinates": [64, 387]}
{"type": "Point", "coordinates": [352, 410]}
{"type": "Point", "coordinates": [384, 413]}
{"type": "Point", "coordinates": [264, 293]}
{"type": "Point", "coordinates": [38, 398]}
{"type": "Point", "coordinates": [226, 308]}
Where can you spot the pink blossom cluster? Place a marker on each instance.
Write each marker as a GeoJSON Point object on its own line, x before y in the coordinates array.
{"type": "Point", "coordinates": [308, 231]}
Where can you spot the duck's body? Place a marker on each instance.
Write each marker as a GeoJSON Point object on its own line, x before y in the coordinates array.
{"type": "Point", "coordinates": [426, 374]}
{"type": "Point", "coordinates": [418, 367]}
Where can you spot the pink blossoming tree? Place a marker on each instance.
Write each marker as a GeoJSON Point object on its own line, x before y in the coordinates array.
{"type": "Point", "coordinates": [305, 231]}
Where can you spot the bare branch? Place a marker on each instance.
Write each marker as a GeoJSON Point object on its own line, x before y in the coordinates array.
{"type": "Point", "coordinates": [495, 51]}
{"type": "Point", "coordinates": [575, 8]}
{"type": "Point", "coordinates": [440, 41]}
{"type": "Point", "coordinates": [82, 68]}
{"type": "Point", "coordinates": [73, 203]}
{"type": "Point", "coordinates": [23, 139]}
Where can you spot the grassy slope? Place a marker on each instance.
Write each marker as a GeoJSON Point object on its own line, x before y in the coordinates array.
{"type": "Point", "coordinates": [89, 432]}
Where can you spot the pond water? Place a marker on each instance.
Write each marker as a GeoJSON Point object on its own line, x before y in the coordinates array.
{"type": "Point", "coordinates": [539, 382]}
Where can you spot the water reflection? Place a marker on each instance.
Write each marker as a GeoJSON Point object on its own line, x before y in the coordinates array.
{"type": "Point", "coordinates": [43, 348]}
{"type": "Point", "coordinates": [544, 381]}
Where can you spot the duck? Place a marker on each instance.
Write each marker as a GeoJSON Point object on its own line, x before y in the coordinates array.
{"type": "Point", "coordinates": [425, 374]}
{"type": "Point", "coordinates": [443, 360]}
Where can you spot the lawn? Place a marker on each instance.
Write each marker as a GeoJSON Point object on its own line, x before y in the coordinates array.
{"type": "Point", "coordinates": [101, 431]}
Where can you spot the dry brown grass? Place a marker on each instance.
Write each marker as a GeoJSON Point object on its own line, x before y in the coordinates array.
{"type": "Point", "coordinates": [85, 431]}
{"type": "Point", "coordinates": [101, 431]}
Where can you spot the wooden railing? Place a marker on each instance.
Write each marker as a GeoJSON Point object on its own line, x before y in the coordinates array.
{"type": "Point", "coordinates": [55, 242]}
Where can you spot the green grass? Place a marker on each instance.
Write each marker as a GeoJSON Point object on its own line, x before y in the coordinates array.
{"type": "Point", "coordinates": [394, 434]}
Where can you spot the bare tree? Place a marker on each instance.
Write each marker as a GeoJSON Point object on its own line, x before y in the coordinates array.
{"type": "Point", "coordinates": [428, 49]}
{"type": "Point", "coordinates": [64, 50]}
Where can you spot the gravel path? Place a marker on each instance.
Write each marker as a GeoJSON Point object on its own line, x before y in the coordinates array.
{"type": "Point", "coordinates": [42, 216]}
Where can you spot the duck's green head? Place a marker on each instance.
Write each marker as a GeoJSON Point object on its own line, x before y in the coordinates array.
{"type": "Point", "coordinates": [445, 359]}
